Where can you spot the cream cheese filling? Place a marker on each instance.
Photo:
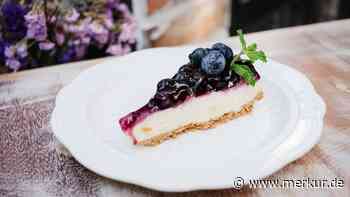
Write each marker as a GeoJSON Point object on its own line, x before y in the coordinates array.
{"type": "Point", "coordinates": [198, 109]}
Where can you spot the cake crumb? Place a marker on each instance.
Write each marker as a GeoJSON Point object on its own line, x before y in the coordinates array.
{"type": "Point", "coordinates": [146, 129]}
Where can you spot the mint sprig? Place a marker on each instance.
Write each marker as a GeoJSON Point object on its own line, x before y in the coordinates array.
{"type": "Point", "coordinates": [253, 55]}
{"type": "Point", "coordinates": [245, 72]}
{"type": "Point", "coordinates": [251, 50]}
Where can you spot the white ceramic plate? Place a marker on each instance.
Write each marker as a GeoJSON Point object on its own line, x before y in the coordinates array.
{"type": "Point", "coordinates": [286, 124]}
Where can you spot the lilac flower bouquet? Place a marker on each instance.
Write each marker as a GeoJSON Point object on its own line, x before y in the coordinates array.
{"type": "Point", "coordinates": [46, 32]}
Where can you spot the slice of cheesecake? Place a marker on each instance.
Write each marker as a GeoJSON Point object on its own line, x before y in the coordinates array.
{"type": "Point", "coordinates": [204, 93]}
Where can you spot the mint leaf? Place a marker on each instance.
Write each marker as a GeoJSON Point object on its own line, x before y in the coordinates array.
{"type": "Point", "coordinates": [245, 72]}
{"type": "Point", "coordinates": [241, 39]}
{"type": "Point", "coordinates": [252, 47]}
{"type": "Point", "coordinates": [256, 55]}
{"type": "Point", "coordinates": [251, 51]}
{"type": "Point", "coordinates": [237, 64]}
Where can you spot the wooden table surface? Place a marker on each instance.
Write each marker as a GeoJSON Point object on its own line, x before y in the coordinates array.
{"type": "Point", "coordinates": [33, 163]}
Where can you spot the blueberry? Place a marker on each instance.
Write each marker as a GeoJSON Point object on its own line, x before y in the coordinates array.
{"type": "Point", "coordinates": [200, 87]}
{"type": "Point", "coordinates": [163, 101]}
{"type": "Point", "coordinates": [209, 88]}
{"type": "Point", "coordinates": [221, 85]}
{"type": "Point", "coordinates": [188, 78]}
{"type": "Point", "coordinates": [213, 81]}
{"type": "Point", "coordinates": [213, 63]}
{"type": "Point", "coordinates": [169, 98]}
{"type": "Point", "coordinates": [165, 85]}
{"type": "Point", "coordinates": [181, 94]}
{"type": "Point", "coordinates": [197, 55]}
{"type": "Point", "coordinates": [225, 50]}
{"type": "Point", "coordinates": [198, 75]}
{"type": "Point", "coordinates": [164, 104]}
{"type": "Point", "coordinates": [182, 76]}
{"type": "Point", "coordinates": [187, 68]}
{"type": "Point", "coordinates": [151, 103]}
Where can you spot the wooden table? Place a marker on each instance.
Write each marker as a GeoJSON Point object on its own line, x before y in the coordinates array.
{"type": "Point", "coordinates": [33, 163]}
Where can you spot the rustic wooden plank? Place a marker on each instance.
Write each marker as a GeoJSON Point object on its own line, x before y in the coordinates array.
{"type": "Point", "coordinates": [33, 163]}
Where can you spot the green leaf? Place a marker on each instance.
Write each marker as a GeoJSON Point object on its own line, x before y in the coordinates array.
{"type": "Point", "coordinates": [252, 47]}
{"type": "Point", "coordinates": [245, 72]}
{"type": "Point", "coordinates": [254, 55]}
{"type": "Point", "coordinates": [237, 65]}
{"type": "Point", "coordinates": [241, 39]}
{"type": "Point", "coordinates": [251, 50]}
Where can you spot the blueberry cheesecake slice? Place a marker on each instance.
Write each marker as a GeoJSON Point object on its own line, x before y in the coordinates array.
{"type": "Point", "coordinates": [214, 87]}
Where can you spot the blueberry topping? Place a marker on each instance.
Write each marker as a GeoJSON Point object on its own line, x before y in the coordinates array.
{"type": "Point", "coordinates": [181, 93]}
{"type": "Point", "coordinates": [166, 85]}
{"type": "Point", "coordinates": [182, 76]}
{"type": "Point", "coordinates": [206, 72]}
{"type": "Point", "coordinates": [225, 50]}
{"type": "Point", "coordinates": [163, 100]}
{"type": "Point", "coordinates": [152, 103]}
{"type": "Point", "coordinates": [213, 63]}
{"type": "Point", "coordinates": [197, 55]}
{"type": "Point", "coordinates": [221, 85]}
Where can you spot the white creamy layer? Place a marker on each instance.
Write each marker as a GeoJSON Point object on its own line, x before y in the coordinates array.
{"type": "Point", "coordinates": [199, 109]}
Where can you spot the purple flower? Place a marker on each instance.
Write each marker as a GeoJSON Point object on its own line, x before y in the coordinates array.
{"type": "Point", "coordinates": [79, 29]}
{"type": "Point", "coordinates": [101, 38]}
{"type": "Point", "coordinates": [96, 28]}
{"type": "Point", "coordinates": [19, 50]}
{"type": "Point", "coordinates": [85, 40]}
{"type": "Point", "coordinates": [80, 33]}
{"type": "Point", "coordinates": [123, 8]}
{"type": "Point", "coordinates": [53, 19]}
{"type": "Point", "coordinates": [80, 51]}
{"type": "Point", "coordinates": [10, 51]}
{"type": "Point", "coordinates": [46, 45]}
{"type": "Point", "coordinates": [36, 23]}
{"type": "Point", "coordinates": [76, 42]}
{"type": "Point", "coordinates": [22, 51]}
{"type": "Point", "coordinates": [72, 16]}
{"type": "Point", "coordinates": [14, 27]}
{"type": "Point", "coordinates": [117, 49]}
{"type": "Point", "coordinates": [59, 38]}
{"type": "Point", "coordinates": [128, 33]}
{"type": "Point", "coordinates": [3, 46]}
{"type": "Point", "coordinates": [15, 55]}
{"type": "Point", "coordinates": [13, 64]}
{"type": "Point", "coordinates": [112, 3]}
{"type": "Point", "coordinates": [67, 56]}
{"type": "Point", "coordinates": [74, 33]}
{"type": "Point", "coordinates": [108, 22]}
{"type": "Point", "coordinates": [85, 22]}
{"type": "Point", "coordinates": [99, 32]}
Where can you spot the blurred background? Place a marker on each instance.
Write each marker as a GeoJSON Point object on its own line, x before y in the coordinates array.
{"type": "Point", "coordinates": [174, 22]}
{"type": "Point", "coordinates": [37, 33]}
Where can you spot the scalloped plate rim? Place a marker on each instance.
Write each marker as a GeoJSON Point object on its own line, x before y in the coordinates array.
{"type": "Point", "coordinates": [77, 154]}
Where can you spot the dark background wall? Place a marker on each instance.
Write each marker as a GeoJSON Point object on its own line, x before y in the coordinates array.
{"type": "Point", "coordinates": [258, 15]}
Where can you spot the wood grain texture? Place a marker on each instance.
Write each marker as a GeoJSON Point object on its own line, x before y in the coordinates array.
{"type": "Point", "coordinates": [33, 163]}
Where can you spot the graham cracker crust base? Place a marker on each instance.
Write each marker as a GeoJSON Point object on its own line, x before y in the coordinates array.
{"type": "Point", "coordinates": [245, 109]}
